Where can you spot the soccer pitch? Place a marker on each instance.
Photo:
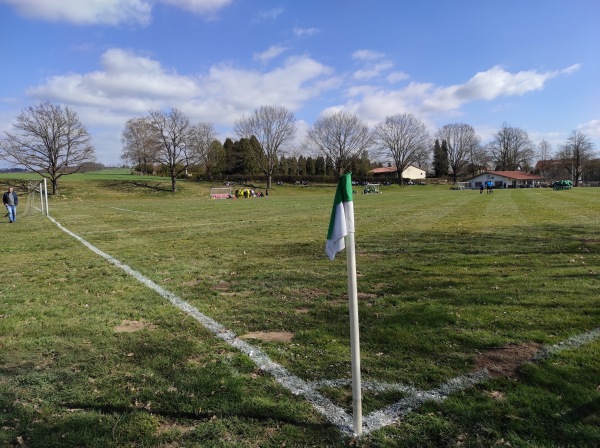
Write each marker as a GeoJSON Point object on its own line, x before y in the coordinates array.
{"type": "Point", "coordinates": [447, 280]}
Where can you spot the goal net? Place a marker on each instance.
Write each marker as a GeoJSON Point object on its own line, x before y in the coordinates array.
{"type": "Point", "coordinates": [461, 186]}
{"type": "Point", "coordinates": [220, 193]}
{"type": "Point", "coordinates": [37, 198]}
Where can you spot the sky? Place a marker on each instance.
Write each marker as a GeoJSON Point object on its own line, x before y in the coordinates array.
{"type": "Point", "coordinates": [532, 64]}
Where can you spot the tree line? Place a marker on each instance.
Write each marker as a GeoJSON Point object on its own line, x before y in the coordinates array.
{"type": "Point", "coordinates": [52, 141]}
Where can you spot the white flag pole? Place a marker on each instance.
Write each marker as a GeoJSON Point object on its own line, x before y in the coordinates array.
{"type": "Point", "coordinates": [46, 196]}
{"type": "Point", "coordinates": [354, 333]}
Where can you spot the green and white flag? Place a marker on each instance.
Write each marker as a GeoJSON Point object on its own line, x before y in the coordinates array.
{"type": "Point", "coordinates": [341, 225]}
{"type": "Point", "coordinates": [342, 217]}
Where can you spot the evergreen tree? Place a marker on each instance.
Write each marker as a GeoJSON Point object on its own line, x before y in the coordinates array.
{"type": "Point", "coordinates": [363, 164]}
{"type": "Point", "coordinates": [302, 166]}
{"type": "Point", "coordinates": [215, 158]}
{"type": "Point", "coordinates": [231, 157]}
{"type": "Point", "coordinates": [445, 161]}
{"type": "Point", "coordinates": [320, 168]}
{"type": "Point", "coordinates": [440, 159]}
{"type": "Point", "coordinates": [311, 166]}
{"type": "Point", "coordinates": [284, 166]}
{"type": "Point", "coordinates": [292, 166]}
{"type": "Point", "coordinates": [329, 168]}
{"type": "Point", "coordinates": [244, 159]}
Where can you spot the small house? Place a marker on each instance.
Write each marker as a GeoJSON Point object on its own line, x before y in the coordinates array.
{"type": "Point", "coordinates": [391, 172]}
{"type": "Point", "coordinates": [505, 179]}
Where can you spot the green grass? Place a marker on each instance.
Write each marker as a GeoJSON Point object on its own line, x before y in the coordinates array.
{"type": "Point", "coordinates": [443, 276]}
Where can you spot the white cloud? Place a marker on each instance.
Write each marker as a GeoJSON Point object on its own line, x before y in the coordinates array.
{"type": "Point", "coordinates": [204, 7]}
{"type": "Point", "coordinates": [127, 82]}
{"type": "Point", "coordinates": [396, 77]}
{"type": "Point", "coordinates": [300, 32]}
{"type": "Point", "coordinates": [270, 14]}
{"type": "Point", "coordinates": [570, 70]}
{"type": "Point", "coordinates": [591, 128]}
{"type": "Point", "coordinates": [228, 92]}
{"type": "Point", "coordinates": [108, 12]}
{"type": "Point", "coordinates": [374, 64]}
{"type": "Point", "coordinates": [269, 54]}
{"type": "Point", "coordinates": [130, 85]}
{"type": "Point", "coordinates": [367, 55]}
{"type": "Point", "coordinates": [372, 71]}
{"type": "Point", "coordinates": [426, 99]}
{"type": "Point", "coordinates": [497, 82]}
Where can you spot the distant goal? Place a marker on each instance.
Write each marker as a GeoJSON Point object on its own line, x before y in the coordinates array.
{"type": "Point", "coordinates": [461, 186]}
{"type": "Point", "coordinates": [37, 198]}
{"type": "Point", "coordinates": [220, 193]}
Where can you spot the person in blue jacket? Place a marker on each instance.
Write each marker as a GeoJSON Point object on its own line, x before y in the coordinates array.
{"type": "Point", "coordinates": [10, 201]}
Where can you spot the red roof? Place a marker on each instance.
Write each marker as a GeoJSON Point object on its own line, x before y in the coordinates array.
{"type": "Point", "coordinates": [386, 169]}
{"type": "Point", "coordinates": [518, 175]}
{"type": "Point", "coordinates": [390, 169]}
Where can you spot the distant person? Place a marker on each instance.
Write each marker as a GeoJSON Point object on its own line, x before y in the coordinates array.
{"type": "Point", "coordinates": [10, 201]}
{"type": "Point", "coordinates": [481, 188]}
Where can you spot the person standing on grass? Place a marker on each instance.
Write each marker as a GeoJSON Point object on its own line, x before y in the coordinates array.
{"type": "Point", "coordinates": [10, 201]}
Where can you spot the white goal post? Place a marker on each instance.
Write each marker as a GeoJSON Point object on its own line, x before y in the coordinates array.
{"type": "Point", "coordinates": [461, 186]}
{"type": "Point", "coordinates": [220, 193]}
{"type": "Point", "coordinates": [37, 197]}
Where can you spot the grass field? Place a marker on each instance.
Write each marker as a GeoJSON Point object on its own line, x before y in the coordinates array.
{"type": "Point", "coordinates": [449, 282]}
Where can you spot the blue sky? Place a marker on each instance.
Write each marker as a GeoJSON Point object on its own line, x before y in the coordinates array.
{"type": "Point", "coordinates": [534, 64]}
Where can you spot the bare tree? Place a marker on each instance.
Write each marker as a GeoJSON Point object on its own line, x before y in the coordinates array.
{"type": "Point", "coordinates": [48, 140]}
{"type": "Point", "coordinates": [140, 144]}
{"type": "Point", "coordinates": [202, 137]}
{"type": "Point", "coordinates": [273, 127]}
{"type": "Point", "coordinates": [576, 154]}
{"type": "Point", "coordinates": [544, 154]}
{"type": "Point", "coordinates": [172, 130]}
{"type": "Point", "coordinates": [405, 139]}
{"type": "Point", "coordinates": [463, 146]}
{"type": "Point", "coordinates": [340, 136]}
{"type": "Point", "coordinates": [511, 149]}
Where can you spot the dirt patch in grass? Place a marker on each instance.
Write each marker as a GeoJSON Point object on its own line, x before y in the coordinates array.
{"type": "Point", "coordinates": [270, 336]}
{"type": "Point", "coordinates": [193, 282]}
{"type": "Point", "coordinates": [221, 286]}
{"type": "Point", "coordinates": [590, 241]}
{"type": "Point", "coordinates": [164, 427]}
{"type": "Point", "coordinates": [365, 295]}
{"type": "Point", "coordinates": [309, 293]}
{"type": "Point", "coordinates": [240, 294]}
{"type": "Point", "coordinates": [130, 326]}
{"type": "Point", "coordinates": [505, 361]}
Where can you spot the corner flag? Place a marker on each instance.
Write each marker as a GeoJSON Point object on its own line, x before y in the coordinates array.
{"type": "Point", "coordinates": [342, 217]}
{"type": "Point", "coordinates": [341, 225]}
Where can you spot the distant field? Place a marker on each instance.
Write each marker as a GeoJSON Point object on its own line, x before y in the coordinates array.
{"type": "Point", "coordinates": [449, 283]}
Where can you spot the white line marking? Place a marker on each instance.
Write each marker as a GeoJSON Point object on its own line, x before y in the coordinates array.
{"type": "Point", "coordinates": [378, 419]}
{"type": "Point", "coordinates": [573, 342]}
{"type": "Point", "coordinates": [336, 415]}
{"type": "Point", "coordinates": [132, 211]}
{"type": "Point", "coordinates": [297, 386]}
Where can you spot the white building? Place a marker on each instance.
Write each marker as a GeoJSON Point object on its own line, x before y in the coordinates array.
{"type": "Point", "coordinates": [411, 172]}
{"type": "Point", "coordinates": [504, 179]}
